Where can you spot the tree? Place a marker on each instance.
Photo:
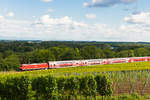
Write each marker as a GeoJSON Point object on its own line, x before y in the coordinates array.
{"type": "Point", "coordinates": [103, 85]}
{"type": "Point", "coordinates": [123, 53]}
{"type": "Point", "coordinates": [1, 57]}
{"type": "Point", "coordinates": [7, 53]}
{"type": "Point", "coordinates": [72, 86]}
{"type": "Point", "coordinates": [11, 62]}
{"type": "Point", "coordinates": [90, 52]}
{"type": "Point", "coordinates": [88, 86]}
{"type": "Point", "coordinates": [126, 53]}
{"type": "Point", "coordinates": [57, 52]}
{"type": "Point", "coordinates": [42, 56]}
{"type": "Point", "coordinates": [109, 53]}
{"type": "Point", "coordinates": [16, 88]}
{"type": "Point", "coordinates": [101, 54]}
{"type": "Point", "coordinates": [71, 54]}
{"type": "Point", "coordinates": [141, 52]}
{"type": "Point", "coordinates": [77, 54]}
{"type": "Point", "coordinates": [45, 87]}
{"type": "Point", "coordinates": [26, 58]}
{"type": "Point", "coordinates": [131, 53]}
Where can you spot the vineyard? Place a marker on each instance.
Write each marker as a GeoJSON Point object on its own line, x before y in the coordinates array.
{"type": "Point", "coordinates": [89, 83]}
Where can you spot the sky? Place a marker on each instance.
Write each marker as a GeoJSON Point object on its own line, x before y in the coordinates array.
{"type": "Point", "coordinates": [75, 20]}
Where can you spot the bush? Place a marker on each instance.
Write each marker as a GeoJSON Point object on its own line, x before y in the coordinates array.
{"type": "Point", "coordinates": [45, 87]}
{"type": "Point", "coordinates": [15, 87]}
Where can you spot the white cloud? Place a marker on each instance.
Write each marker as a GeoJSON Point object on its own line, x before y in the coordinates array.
{"type": "Point", "coordinates": [48, 20]}
{"type": "Point", "coordinates": [46, 0]}
{"type": "Point", "coordinates": [65, 28]}
{"type": "Point", "coordinates": [137, 26]}
{"type": "Point", "coordinates": [134, 32]}
{"type": "Point", "coordinates": [48, 28]}
{"type": "Point", "coordinates": [106, 3]}
{"type": "Point", "coordinates": [139, 18]}
{"type": "Point", "coordinates": [11, 14]}
{"type": "Point", "coordinates": [90, 16]}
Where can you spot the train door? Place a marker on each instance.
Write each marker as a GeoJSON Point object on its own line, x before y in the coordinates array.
{"type": "Point", "coordinates": [76, 63]}
{"type": "Point", "coordinates": [83, 63]}
{"type": "Point", "coordinates": [52, 65]}
{"type": "Point", "coordinates": [49, 64]}
{"type": "Point", "coordinates": [127, 60]}
{"type": "Point", "coordinates": [108, 61]}
{"type": "Point", "coordinates": [146, 59]}
{"type": "Point", "coordinates": [86, 63]}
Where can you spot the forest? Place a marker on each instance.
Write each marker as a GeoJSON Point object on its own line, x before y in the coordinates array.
{"type": "Point", "coordinates": [15, 53]}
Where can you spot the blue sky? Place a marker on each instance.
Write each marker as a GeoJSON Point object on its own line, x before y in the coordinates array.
{"type": "Point", "coordinates": [98, 20]}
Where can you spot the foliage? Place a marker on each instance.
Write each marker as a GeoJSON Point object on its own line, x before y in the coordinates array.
{"type": "Point", "coordinates": [10, 63]}
{"type": "Point", "coordinates": [47, 87]}
{"type": "Point", "coordinates": [103, 85]}
{"type": "Point", "coordinates": [88, 86]}
{"type": "Point", "coordinates": [14, 53]}
{"type": "Point", "coordinates": [15, 88]}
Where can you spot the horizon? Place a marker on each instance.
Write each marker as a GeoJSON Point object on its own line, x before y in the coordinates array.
{"type": "Point", "coordinates": [77, 41]}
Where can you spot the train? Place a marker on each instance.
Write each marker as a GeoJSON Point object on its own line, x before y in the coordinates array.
{"type": "Point", "coordinates": [79, 63]}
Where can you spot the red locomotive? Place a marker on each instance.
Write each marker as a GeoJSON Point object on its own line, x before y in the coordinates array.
{"type": "Point", "coordinates": [76, 63]}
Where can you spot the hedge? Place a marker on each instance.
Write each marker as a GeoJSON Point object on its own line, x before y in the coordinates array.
{"type": "Point", "coordinates": [53, 88]}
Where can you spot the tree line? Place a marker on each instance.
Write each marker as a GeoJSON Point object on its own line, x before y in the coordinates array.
{"type": "Point", "coordinates": [12, 54]}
